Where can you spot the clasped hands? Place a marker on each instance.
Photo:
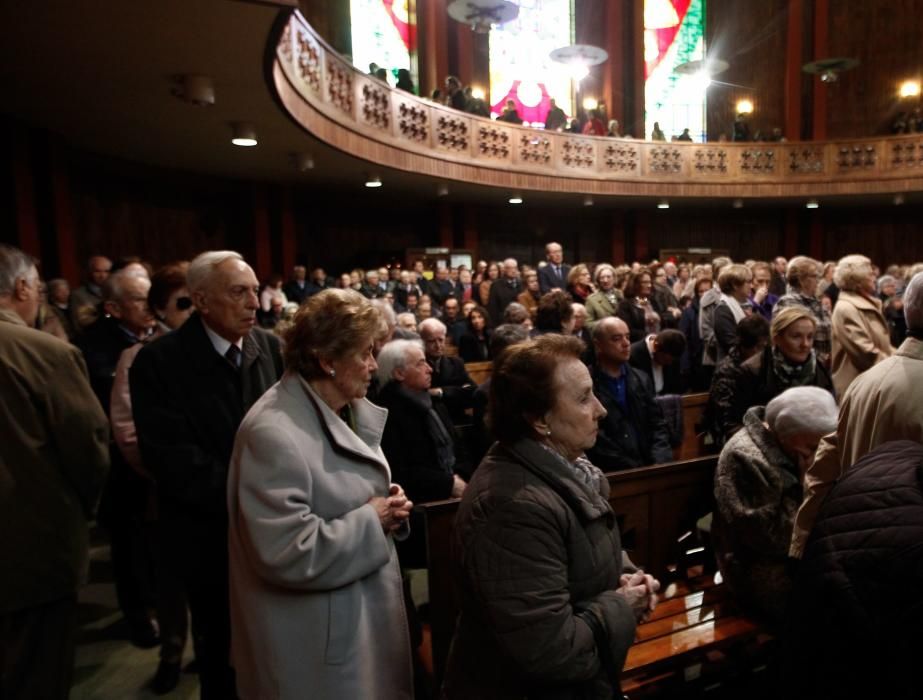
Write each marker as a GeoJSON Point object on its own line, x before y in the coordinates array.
{"type": "Point", "coordinates": [392, 510]}
{"type": "Point", "coordinates": [640, 589]}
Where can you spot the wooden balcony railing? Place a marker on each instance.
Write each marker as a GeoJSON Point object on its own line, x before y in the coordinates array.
{"type": "Point", "coordinates": [366, 118]}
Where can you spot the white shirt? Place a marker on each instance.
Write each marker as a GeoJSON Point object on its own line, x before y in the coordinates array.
{"type": "Point", "coordinates": [656, 369]}
{"type": "Point", "coordinates": [221, 345]}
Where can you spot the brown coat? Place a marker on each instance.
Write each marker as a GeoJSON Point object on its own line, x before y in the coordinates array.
{"type": "Point", "coordinates": [883, 404]}
{"type": "Point", "coordinates": [860, 338]}
{"type": "Point", "coordinates": [54, 456]}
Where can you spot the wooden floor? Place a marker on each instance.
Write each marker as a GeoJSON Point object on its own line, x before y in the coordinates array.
{"type": "Point", "coordinates": [108, 667]}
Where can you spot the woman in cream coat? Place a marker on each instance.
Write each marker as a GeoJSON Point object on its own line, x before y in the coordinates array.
{"type": "Point", "coordinates": [316, 601]}
{"type": "Point", "coordinates": [860, 335]}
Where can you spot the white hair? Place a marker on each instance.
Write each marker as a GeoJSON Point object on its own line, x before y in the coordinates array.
{"type": "Point", "coordinates": [386, 311]}
{"type": "Point", "coordinates": [913, 303]}
{"type": "Point", "coordinates": [15, 265]}
{"type": "Point", "coordinates": [802, 409]}
{"type": "Point", "coordinates": [201, 269]}
{"type": "Point", "coordinates": [114, 286]}
{"type": "Point", "coordinates": [394, 356]}
{"type": "Point", "coordinates": [431, 324]}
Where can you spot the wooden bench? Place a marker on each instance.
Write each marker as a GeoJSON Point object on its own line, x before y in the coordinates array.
{"type": "Point", "coordinates": [656, 507]}
{"type": "Point", "coordinates": [479, 371]}
{"type": "Point", "coordinates": [693, 444]}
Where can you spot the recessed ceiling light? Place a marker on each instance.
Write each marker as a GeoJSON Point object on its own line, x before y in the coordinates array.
{"type": "Point", "coordinates": [304, 161]}
{"type": "Point", "coordinates": [243, 134]}
{"type": "Point", "coordinates": [588, 201]}
{"type": "Point", "coordinates": [374, 181]}
{"type": "Point", "coordinates": [516, 199]}
{"type": "Point", "coordinates": [898, 200]}
{"type": "Point", "coordinates": [738, 204]}
{"type": "Point", "coordinates": [442, 190]}
{"type": "Point", "coordinates": [812, 204]}
{"type": "Point", "coordinates": [663, 204]}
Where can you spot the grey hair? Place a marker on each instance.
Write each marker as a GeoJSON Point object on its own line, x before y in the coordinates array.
{"type": "Point", "coordinates": [851, 271]}
{"type": "Point", "coordinates": [913, 303]}
{"type": "Point", "coordinates": [114, 286]}
{"type": "Point", "coordinates": [203, 266]}
{"type": "Point", "coordinates": [433, 324]}
{"type": "Point", "coordinates": [386, 311]}
{"type": "Point", "coordinates": [802, 409]}
{"type": "Point", "coordinates": [394, 356]}
{"type": "Point", "coordinates": [15, 265]}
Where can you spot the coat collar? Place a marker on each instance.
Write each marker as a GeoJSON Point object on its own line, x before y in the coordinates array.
{"type": "Point", "coordinates": [10, 316]}
{"type": "Point", "coordinates": [860, 301]}
{"type": "Point", "coordinates": [561, 478]}
{"type": "Point", "coordinates": [911, 348]}
{"type": "Point", "coordinates": [370, 423]}
{"type": "Point", "coordinates": [205, 355]}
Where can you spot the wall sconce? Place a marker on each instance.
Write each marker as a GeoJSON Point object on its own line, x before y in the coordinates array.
{"type": "Point", "coordinates": [477, 93]}
{"type": "Point", "coordinates": [744, 107]}
{"type": "Point", "coordinates": [909, 88]}
{"type": "Point", "coordinates": [590, 103]}
{"type": "Point", "coordinates": [243, 134]}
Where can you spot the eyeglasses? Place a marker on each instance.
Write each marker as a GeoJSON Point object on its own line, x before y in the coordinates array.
{"type": "Point", "coordinates": [183, 303]}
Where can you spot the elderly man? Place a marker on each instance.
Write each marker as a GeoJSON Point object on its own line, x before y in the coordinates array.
{"type": "Point", "coordinates": [554, 274]}
{"type": "Point", "coordinates": [503, 291]}
{"type": "Point", "coordinates": [882, 404]}
{"type": "Point", "coordinates": [371, 288]}
{"type": "Point", "coordinates": [777, 281]}
{"type": "Point", "coordinates": [85, 300]}
{"type": "Point", "coordinates": [53, 461]}
{"type": "Point", "coordinates": [450, 382]}
{"type": "Point", "coordinates": [128, 320]}
{"type": "Point", "coordinates": [297, 289]}
{"type": "Point", "coordinates": [190, 389]}
{"type": "Point", "coordinates": [633, 433]}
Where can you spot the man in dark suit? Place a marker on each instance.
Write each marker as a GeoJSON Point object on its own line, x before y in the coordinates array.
{"type": "Point", "coordinates": [503, 291]}
{"type": "Point", "coordinates": [450, 381]}
{"type": "Point", "coordinates": [53, 461]}
{"type": "Point", "coordinates": [298, 288]}
{"type": "Point", "coordinates": [658, 356]}
{"type": "Point", "coordinates": [633, 433]}
{"type": "Point", "coordinates": [554, 274]}
{"type": "Point", "coordinates": [190, 389]}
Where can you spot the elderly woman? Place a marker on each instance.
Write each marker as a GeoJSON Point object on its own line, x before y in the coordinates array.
{"type": "Point", "coordinates": [758, 492]}
{"type": "Point", "coordinates": [578, 283]}
{"type": "Point", "coordinates": [316, 600]}
{"type": "Point", "coordinates": [547, 607]}
{"type": "Point", "coordinates": [735, 283]}
{"type": "Point", "coordinates": [637, 309]}
{"type": "Point", "coordinates": [802, 275]}
{"type": "Point", "coordinates": [555, 314]}
{"type": "Point", "coordinates": [605, 300]}
{"type": "Point", "coordinates": [860, 333]}
{"type": "Point", "coordinates": [788, 361]}
{"type": "Point", "coordinates": [530, 296]}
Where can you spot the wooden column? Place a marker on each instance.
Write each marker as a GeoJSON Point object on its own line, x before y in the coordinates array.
{"type": "Point", "coordinates": [289, 241]}
{"type": "Point", "coordinates": [27, 237]}
{"type": "Point", "coordinates": [618, 248]}
{"type": "Point", "coordinates": [615, 67]}
{"type": "Point", "coordinates": [262, 251]}
{"type": "Point", "coordinates": [794, 41]}
{"type": "Point", "coordinates": [464, 59]}
{"type": "Point", "coordinates": [821, 49]}
{"type": "Point", "coordinates": [69, 267]}
{"type": "Point", "coordinates": [432, 37]}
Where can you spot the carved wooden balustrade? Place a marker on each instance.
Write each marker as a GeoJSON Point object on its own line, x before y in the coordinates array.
{"type": "Point", "coordinates": [361, 115]}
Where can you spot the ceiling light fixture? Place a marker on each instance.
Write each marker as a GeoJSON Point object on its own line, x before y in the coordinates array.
{"type": "Point", "coordinates": [483, 15]}
{"type": "Point", "coordinates": [738, 204]}
{"type": "Point", "coordinates": [243, 134]}
{"type": "Point", "coordinates": [198, 90]}
{"type": "Point", "coordinates": [516, 199]}
{"type": "Point", "coordinates": [304, 161]}
{"type": "Point", "coordinates": [663, 204]}
{"type": "Point", "coordinates": [898, 200]}
{"type": "Point", "coordinates": [373, 181]}
{"type": "Point", "coordinates": [577, 59]}
{"type": "Point", "coordinates": [812, 204]}
{"type": "Point", "coordinates": [442, 190]}
{"type": "Point", "coordinates": [588, 201]}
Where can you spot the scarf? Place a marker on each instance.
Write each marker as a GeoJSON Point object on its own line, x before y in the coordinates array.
{"type": "Point", "coordinates": [435, 428]}
{"type": "Point", "coordinates": [587, 473]}
{"type": "Point", "coordinates": [790, 374]}
{"type": "Point", "coordinates": [734, 306]}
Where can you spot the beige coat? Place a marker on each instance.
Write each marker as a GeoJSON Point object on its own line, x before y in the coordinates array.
{"type": "Point", "coordinates": [860, 338]}
{"type": "Point", "coordinates": [883, 404]}
{"type": "Point", "coordinates": [317, 606]}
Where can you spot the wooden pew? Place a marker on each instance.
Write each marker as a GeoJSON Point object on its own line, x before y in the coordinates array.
{"type": "Point", "coordinates": [693, 444]}
{"type": "Point", "coordinates": [654, 505]}
{"type": "Point", "coordinates": [479, 371]}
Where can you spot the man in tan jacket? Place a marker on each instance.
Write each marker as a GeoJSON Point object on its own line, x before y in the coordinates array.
{"type": "Point", "coordinates": [882, 404]}
{"type": "Point", "coordinates": [53, 460]}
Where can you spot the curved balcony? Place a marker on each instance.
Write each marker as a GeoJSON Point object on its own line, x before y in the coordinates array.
{"type": "Point", "coordinates": [364, 117]}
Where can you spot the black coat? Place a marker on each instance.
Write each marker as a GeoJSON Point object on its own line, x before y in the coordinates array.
{"type": "Point", "coordinates": [502, 294]}
{"type": "Point", "coordinates": [672, 376]}
{"type": "Point", "coordinates": [632, 440]}
{"type": "Point", "coordinates": [548, 280]}
{"type": "Point", "coordinates": [188, 402]}
{"type": "Point", "coordinates": [102, 345]}
{"type": "Point", "coordinates": [450, 375]}
{"type": "Point", "coordinates": [856, 613]}
{"type": "Point", "coordinates": [298, 294]}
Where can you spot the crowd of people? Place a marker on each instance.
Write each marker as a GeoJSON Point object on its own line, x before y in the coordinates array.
{"type": "Point", "coordinates": [258, 450]}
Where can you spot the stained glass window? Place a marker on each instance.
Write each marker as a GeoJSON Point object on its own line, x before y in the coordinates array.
{"type": "Point", "coordinates": [520, 69]}
{"type": "Point", "coordinates": [384, 33]}
{"type": "Point", "coordinates": [674, 33]}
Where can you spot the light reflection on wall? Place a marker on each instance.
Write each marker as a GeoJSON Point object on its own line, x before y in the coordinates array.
{"type": "Point", "coordinates": [674, 33]}
{"type": "Point", "coordinates": [520, 68]}
{"type": "Point", "coordinates": [383, 32]}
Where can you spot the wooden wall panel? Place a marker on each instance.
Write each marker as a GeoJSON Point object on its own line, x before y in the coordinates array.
{"type": "Point", "coordinates": [886, 38]}
{"type": "Point", "coordinates": [751, 38]}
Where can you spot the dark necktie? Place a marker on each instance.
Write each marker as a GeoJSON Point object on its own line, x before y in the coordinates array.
{"type": "Point", "coordinates": [233, 356]}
